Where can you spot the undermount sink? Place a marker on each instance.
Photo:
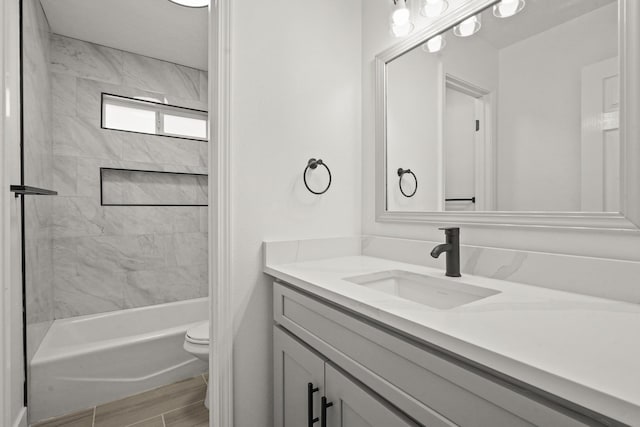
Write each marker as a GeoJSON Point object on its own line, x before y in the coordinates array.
{"type": "Point", "coordinates": [428, 290]}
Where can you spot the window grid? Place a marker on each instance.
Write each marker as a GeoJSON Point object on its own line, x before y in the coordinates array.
{"type": "Point", "coordinates": [159, 109]}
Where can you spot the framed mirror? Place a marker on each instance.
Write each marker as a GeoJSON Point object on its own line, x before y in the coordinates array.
{"type": "Point", "coordinates": [512, 113]}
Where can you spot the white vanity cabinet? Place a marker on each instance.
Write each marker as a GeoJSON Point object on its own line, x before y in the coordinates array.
{"type": "Point", "coordinates": [310, 391]}
{"type": "Point", "coordinates": [375, 376]}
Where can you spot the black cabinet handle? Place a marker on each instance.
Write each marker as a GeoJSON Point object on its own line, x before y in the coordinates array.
{"type": "Point", "coordinates": [323, 412]}
{"type": "Point", "coordinates": [310, 419]}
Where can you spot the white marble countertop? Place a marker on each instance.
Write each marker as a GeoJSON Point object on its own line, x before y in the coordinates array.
{"type": "Point", "coordinates": [583, 349]}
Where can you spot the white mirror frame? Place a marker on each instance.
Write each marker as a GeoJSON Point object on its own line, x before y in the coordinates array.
{"type": "Point", "coordinates": [629, 217]}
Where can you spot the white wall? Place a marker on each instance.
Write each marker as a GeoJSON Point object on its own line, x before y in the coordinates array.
{"type": "Point", "coordinates": [376, 38]}
{"type": "Point", "coordinates": [413, 97]}
{"type": "Point", "coordinates": [295, 94]}
{"type": "Point", "coordinates": [539, 140]}
{"type": "Point", "coordinates": [460, 150]}
{"type": "Point", "coordinates": [473, 60]}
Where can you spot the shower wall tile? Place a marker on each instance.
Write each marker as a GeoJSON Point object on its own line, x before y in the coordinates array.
{"type": "Point", "coordinates": [81, 59]}
{"type": "Point", "coordinates": [39, 257]}
{"type": "Point", "coordinates": [204, 220]}
{"type": "Point", "coordinates": [65, 175]}
{"type": "Point", "coordinates": [202, 190]}
{"type": "Point", "coordinates": [134, 220]}
{"type": "Point", "coordinates": [161, 149]}
{"type": "Point", "coordinates": [83, 137]}
{"type": "Point", "coordinates": [189, 249]}
{"type": "Point", "coordinates": [88, 176]}
{"type": "Point", "coordinates": [38, 171]}
{"type": "Point", "coordinates": [160, 76]}
{"type": "Point", "coordinates": [36, 100]}
{"type": "Point", "coordinates": [65, 252]}
{"type": "Point", "coordinates": [114, 257]}
{"type": "Point", "coordinates": [165, 285]}
{"type": "Point", "coordinates": [63, 90]}
{"type": "Point", "coordinates": [204, 153]}
{"type": "Point", "coordinates": [106, 254]}
{"type": "Point", "coordinates": [77, 216]}
{"type": "Point", "coordinates": [89, 292]}
{"type": "Point", "coordinates": [204, 87]}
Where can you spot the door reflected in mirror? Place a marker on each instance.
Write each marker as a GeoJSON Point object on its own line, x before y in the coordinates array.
{"type": "Point", "coordinates": [515, 113]}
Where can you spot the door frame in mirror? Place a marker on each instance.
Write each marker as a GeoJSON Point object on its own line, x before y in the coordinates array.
{"type": "Point", "coordinates": [629, 58]}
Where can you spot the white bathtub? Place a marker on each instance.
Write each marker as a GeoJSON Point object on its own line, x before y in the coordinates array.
{"type": "Point", "coordinates": [89, 360]}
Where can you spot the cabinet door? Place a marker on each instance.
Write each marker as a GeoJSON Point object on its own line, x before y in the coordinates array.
{"type": "Point", "coordinates": [295, 367]}
{"type": "Point", "coordinates": [353, 406]}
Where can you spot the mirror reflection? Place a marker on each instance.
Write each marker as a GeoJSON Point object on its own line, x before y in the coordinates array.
{"type": "Point", "coordinates": [513, 109]}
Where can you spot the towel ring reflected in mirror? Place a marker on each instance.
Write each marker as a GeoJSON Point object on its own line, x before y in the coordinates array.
{"type": "Point", "coordinates": [401, 173]}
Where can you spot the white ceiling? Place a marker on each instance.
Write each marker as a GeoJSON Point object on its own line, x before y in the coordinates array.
{"type": "Point", "coordinates": [536, 17]}
{"type": "Point", "coordinates": [155, 28]}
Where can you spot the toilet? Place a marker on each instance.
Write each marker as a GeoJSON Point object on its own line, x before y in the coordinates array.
{"type": "Point", "coordinates": [196, 342]}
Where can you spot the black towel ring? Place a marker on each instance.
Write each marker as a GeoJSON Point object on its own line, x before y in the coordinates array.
{"type": "Point", "coordinates": [401, 172]}
{"type": "Point", "coordinates": [313, 164]}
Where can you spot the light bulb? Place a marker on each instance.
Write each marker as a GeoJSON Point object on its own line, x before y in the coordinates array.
{"type": "Point", "coordinates": [402, 30]}
{"type": "Point", "coordinates": [468, 27]}
{"type": "Point", "coordinates": [434, 8]}
{"type": "Point", "coordinates": [434, 44]}
{"type": "Point", "coordinates": [401, 14]}
{"type": "Point", "coordinates": [507, 8]}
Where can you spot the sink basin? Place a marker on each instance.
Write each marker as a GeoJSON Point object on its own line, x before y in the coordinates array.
{"type": "Point", "coordinates": [428, 290]}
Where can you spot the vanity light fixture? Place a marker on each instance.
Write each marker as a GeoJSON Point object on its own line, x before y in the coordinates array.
{"type": "Point", "coordinates": [435, 44]}
{"type": "Point", "coordinates": [402, 30]}
{"type": "Point", "coordinates": [401, 19]}
{"type": "Point", "coordinates": [468, 27]}
{"type": "Point", "coordinates": [434, 8]}
{"type": "Point", "coordinates": [191, 3]}
{"type": "Point", "coordinates": [507, 8]}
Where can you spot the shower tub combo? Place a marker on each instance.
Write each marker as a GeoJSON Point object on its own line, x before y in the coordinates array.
{"type": "Point", "coordinates": [89, 360]}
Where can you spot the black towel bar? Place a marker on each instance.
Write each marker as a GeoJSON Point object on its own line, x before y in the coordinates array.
{"type": "Point", "coordinates": [471, 199]}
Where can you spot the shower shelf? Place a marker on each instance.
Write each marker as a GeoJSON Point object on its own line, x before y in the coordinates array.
{"type": "Point", "coordinates": [26, 190]}
{"type": "Point", "coordinates": [144, 171]}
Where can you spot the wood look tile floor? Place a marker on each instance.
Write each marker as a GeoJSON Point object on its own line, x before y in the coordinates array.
{"type": "Point", "coordinates": [175, 405]}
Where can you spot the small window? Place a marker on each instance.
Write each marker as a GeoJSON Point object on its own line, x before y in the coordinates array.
{"type": "Point", "coordinates": [185, 126]}
{"type": "Point", "coordinates": [154, 118]}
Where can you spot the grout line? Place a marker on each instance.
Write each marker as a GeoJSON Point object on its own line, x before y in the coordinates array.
{"type": "Point", "coordinates": [182, 407]}
{"type": "Point", "coordinates": [93, 422]}
{"type": "Point", "coordinates": [146, 419]}
{"type": "Point", "coordinates": [163, 423]}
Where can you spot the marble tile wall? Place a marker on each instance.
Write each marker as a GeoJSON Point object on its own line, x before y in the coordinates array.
{"type": "Point", "coordinates": [115, 257]}
{"type": "Point", "coordinates": [38, 172]}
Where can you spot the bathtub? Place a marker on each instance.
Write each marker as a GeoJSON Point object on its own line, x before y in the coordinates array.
{"type": "Point", "coordinates": [89, 360]}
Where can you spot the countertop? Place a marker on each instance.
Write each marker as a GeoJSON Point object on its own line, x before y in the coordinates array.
{"type": "Point", "coordinates": [580, 348]}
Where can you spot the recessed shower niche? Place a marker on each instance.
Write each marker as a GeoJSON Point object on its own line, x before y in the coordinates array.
{"type": "Point", "coordinates": [129, 187]}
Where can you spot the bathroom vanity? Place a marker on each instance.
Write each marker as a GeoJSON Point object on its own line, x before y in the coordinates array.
{"type": "Point", "coordinates": [508, 127]}
{"type": "Point", "coordinates": [367, 341]}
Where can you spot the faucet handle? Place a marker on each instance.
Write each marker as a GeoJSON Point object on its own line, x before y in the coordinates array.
{"type": "Point", "coordinates": [450, 230]}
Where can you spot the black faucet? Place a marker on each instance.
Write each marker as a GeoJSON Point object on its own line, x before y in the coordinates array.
{"type": "Point", "coordinates": [452, 248]}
